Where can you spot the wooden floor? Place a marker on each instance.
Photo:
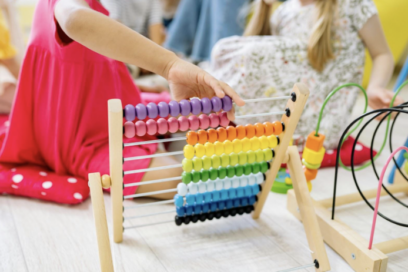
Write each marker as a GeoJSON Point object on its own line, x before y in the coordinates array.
{"type": "Point", "coordinates": [40, 236]}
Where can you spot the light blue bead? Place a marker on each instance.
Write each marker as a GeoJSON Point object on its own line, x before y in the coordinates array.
{"type": "Point", "coordinates": [199, 198]}
{"type": "Point", "coordinates": [232, 193]}
{"type": "Point", "coordinates": [221, 205]}
{"type": "Point", "coordinates": [213, 206]}
{"type": "Point", "coordinates": [224, 194]}
{"type": "Point", "coordinates": [197, 209]}
{"type": "Point", "coordinates": [181, 211]}
{"type": "Point", "coordinates": [229, 204]}
{"type": "Point", "coordinates": [240, 192]}
{"type": "Point", "coordinates": [189, 210]}
{"type": "Point", "coordinates": [216, 196]}
{"type": "Point", "coordinates": [207, 197]}
{"type": "Point", "coordinates": [178, 200]}
{"type": "Point", "coordinates": [206, 208]}
{"type": "Point", "coordinates": [248, 191]}
{"type": "Point", "coordinates": [255, 189]}
{"type": "Point", "coordinates": [190, 199]}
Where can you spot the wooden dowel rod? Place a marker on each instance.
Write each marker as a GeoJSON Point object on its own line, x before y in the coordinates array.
{"type": "Point", "coordinates": [393, 245]}
{"type": "Point", "coordinates": [148, 204]}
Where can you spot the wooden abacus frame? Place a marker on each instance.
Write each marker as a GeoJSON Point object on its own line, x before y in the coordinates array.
{"type": "Point", "coordinates": [344, 240]}
{"type": "Point", "coordinates": [283, 154]}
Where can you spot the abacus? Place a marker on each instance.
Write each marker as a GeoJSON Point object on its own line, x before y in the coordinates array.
{"type": "Point", "coordinates": [226, 170]}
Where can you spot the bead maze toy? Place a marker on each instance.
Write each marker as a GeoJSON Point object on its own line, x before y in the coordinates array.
{"type": "Point", "coordinates": [226, 171]}
{"type": "Point", "coordinates": [360, 254]}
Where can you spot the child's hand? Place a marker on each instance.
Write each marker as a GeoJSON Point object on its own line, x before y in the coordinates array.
{"type": "Point", "coordinates": [187, 80]}
{"type": "Point", "coordinates": [380, 98]}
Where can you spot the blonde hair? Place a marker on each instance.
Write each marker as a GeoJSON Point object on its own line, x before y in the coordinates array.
{"type": "Point", "coordinates": [320, 49]}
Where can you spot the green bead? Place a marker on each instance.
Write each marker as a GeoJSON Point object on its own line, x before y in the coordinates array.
{"type": "Point", "coordinates": [251, 158]}
{"type": "Point", "coordinates": [233, 157]}
{"type": "Point", "coordinates": [186, 177]}
{"type": "Point", "coordinates": [196, 176]}
{"type": "Point", "coordinates": [230, 171]}
{"type": "Point", "coordinates": [207, 162]}
{"type": "Point", "coordinates": [264, 167]}
{"type": "Point", "coordinates": [259, 155]}
{"type": "Point", "coordinates": [242, 158]}
{"type": "Point", "coordinates": [197, 164]}
{"type": "Point", "coordinates": [216, 162]}
{"type": "Point", "coordinates": [213, 174]}
{"type": "Point", "coordinates": [256, 167]}
{"type": "Point", "coordinates": [224, 160]}
{"type": "Point", "coordinates": [267, 154]}
{"type": "Point", "coordinates": [222, 172]}
{"type": "Point", "coordinates": [187, 165]}
{"type": "Point", "coordinates": [247, 169]}
{"type": "Point", "coordinates": [239, 170]}
{"type": "Point", "coordinates": [205, 175]}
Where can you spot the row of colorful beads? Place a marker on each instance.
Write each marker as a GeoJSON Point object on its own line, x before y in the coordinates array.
{"type": "Point", "coordinates": [313, 155]}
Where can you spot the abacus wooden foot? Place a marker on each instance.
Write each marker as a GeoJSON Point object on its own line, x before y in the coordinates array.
{"type": "Point", "coordinates": [344, 240]}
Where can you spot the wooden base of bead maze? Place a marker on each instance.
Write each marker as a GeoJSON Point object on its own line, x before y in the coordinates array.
{"type": "Point", "coordinates": [283, 154]}
{"type": "Point", "coordinates": [344, 240]}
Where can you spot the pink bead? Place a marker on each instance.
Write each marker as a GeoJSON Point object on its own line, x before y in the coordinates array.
{"type": "Point", "coordinates": [130, 130]}
{"type": "Point", "coordinates": [162, 126]}
{"type": "Point", "coordinates": [224, 121]}
{"type": "Point", "coordinates": [194, 122]}
{"type": "Point", "coordinates": [173, 125]}
{"type": "Point", "coordinates": [151, 127]}
{"type": "Point", "coordinates": [204, 121]}
{"type": "Point", "coordinates": [140, 128]}
{"type": "Point", "coordinates": [183, 123]}
{"type": "Point", "coordinates": [214, 120]}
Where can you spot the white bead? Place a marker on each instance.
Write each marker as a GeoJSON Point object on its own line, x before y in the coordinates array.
{"type": "Point", "coordinates": [227, 184]}
{"type": "Point", "coordinates": [192, 188]}
{"type": "Point", "coordinates": [259, 178]}
{"type": "Point", "coordinates": [251, 179]}
{"type": "Point", "coordinates": [235, 182]}
{"type": "Point", "coordinates": [202, 187]}
{"type": "Point", "coordinates": [243, 181]}
{"type": "Point", "coordinates": [182, 189]}
{"type": "Point", "coordinates": [210, 185]}
{"type": "Point", "coordinates": [218, 184]}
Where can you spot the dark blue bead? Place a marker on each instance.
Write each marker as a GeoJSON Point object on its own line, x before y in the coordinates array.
{"type": "Point", "coordinates": [197, 209]}
{"type": "Point", "coordinates": [221, 205]}
{"type": "Point", "coordinates": [181, 211]}
{"type": "Point", "coordinates": [189, 210]}
{"type": "Point", "coordinates": [229, 204]}
{"type": "Point", "coordinates": [236, 202]}
{"type": "Point", "coordinates": [206, 208]}
{"type": "Point", "coordinates": [252, 200]}
{"type": "Point", "coordinates": [244, 201]}
{"type": "Point", "coordinates": [213, 206]}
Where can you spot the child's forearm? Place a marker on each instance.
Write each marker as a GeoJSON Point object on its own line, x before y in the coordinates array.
{"type": "Point", "coordinates": [110, 38]}
{"type": "Point", "coordinates": [383, 67]}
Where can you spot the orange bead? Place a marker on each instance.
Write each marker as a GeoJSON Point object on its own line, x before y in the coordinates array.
{"type": "Point", "coordinates": [313, 142]}
{"type": "Point", "coordinates": [309, 173]}
{"type": "Point", "coordinates": [259, 129]}
{"type": "Point", "coordinates": [212, 135]}
{"type": "Point", "coordinates": [268, 128]}
{"type": "Point", "coordinates": [192, 137]}
{"type": "Point", "coordinates": [241, 132]}
{"type": "Point", "coordinates": [222, 134]}
{"type": "Point", "coordinates": [250, 131]}
{"type": "Point", "coordinates": [231, 133]}
{"type": "Point", "coordinates": [202, 136]}
{"type": "Point", "coordinates": [277, 127]}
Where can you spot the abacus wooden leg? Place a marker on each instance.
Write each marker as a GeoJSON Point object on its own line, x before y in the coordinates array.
{"type": "Point", "coordinates": [102, 234]}
{"type": "Point", "coordinates": [312, 229]}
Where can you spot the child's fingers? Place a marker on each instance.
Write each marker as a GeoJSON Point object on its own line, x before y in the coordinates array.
{"type": "Point", "coordinates": [234, 96]}
{"type": "Point", "coordinates": [231, 114]}
{"type": "Point", "coordinates": [216, 86]}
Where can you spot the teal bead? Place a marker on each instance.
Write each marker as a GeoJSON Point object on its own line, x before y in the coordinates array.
{"type": "Point", "coordinates": [222, 173]}
{"type": "Point", "coordinates": [205, 175]}
{"type": "Point", "coordinates": [264, 167]}
{"type": "Point", "coordinates": [213, 174]}
{"type": "Point", "coordinates": [247, 169]}
{"type": "Point", "coordinates": [186, 177]}
{"type": "Point", "coordinates": [239, 170]}
{"type": "Point", "coordinates": [196, 176]}
{"type": "Point", "coordinates": [230, 171]}
{"type": "Point", "coordinates": [256, 167]}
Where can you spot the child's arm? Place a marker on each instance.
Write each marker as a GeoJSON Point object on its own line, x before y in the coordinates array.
{"type": "Point", "coordinates": [114, 40]}
{"type": "Point", "coordinates": [383, 64]}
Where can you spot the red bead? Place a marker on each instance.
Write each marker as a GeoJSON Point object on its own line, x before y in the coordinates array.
{"type": "Point", "coordinates": [204, 121]}
{"type": "Point", "coordinates": [214, 120]}
{"type": "Point", "coordinates": [224, 121]}
{"type": "Point", "coordinates": [151, 127]}
{"type": "Point", "coordinates": [130, 129]}
{"type": "Point", "coordinates": [183, 123]}
{"type": "Point", "coordinates": [162, 126]}
{"type": "Point", "coordinates": [193, 122]}
{"type": "Point", "coordinates": [141, 128]}
{"type": "Point", "coordinates": [173, 125]}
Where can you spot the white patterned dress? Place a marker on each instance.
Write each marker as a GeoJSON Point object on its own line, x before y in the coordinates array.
{"type": "Point", "coordinates": [267, 66]}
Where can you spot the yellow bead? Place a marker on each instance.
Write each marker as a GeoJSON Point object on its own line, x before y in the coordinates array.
{"type": "Point", "coordinates": [237, 145]}
{"type": "Point", "coordinates": [187, 165]}
{"type": "Point", "coordinates": [264, 142]}
{"type": "Point", "coordinates": [219, 148]}
{"type": "Point", "coordinates": [255, 144]}
{"type": "Point", "coordinates": [246, 144]}
{"type": "Point", "coordinates": [273, 142]}
{"type": "Point", "coordinates": [216, 161]}
{"type": "Point", "coordinates": [309, 186]}
{"type": "Point", "coordinates": [233, 159]}
{"type": "Point", "coordinates": [209, 149]}
{"type": "Point", "coordinates": [197, 164]}
{"type": "Point", "coordinates": [251, 157]}
{"type": "Point", "coordinates": [207, 162]}
{"type": "Point", "coordinates": [228, 147]}
{"type": "Point", "coordinates": [259, 156]}
{"type": "Point", "coordinates": [313, 157]}
{"type": "Point", "coordinates": [288, 181]}
{"type": "Point", "coordinates": [199, 150]}
{"type": "Point", "coordinates": [242, 158]}
{"type": "Point", "coordinates": [188, 151]}
{"type": "Point", "coordinates": [267, 154]}
{"type": "Point", "coordinates": [224, 160]}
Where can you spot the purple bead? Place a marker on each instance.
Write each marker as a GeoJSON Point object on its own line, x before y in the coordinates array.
{"type": "Point", "coordinates": [152, 110]}
{"type": "Point", "coordinates": [226, 103]}
{"type": "Point", "coordinates": [174, 108]}
{"type": "Point", "coordinates": [163, 109]}
{"type": "Point", "coordinates": [195, 106]}
{"type": "Point", "coordinates": [216, 104]}
{"type": "Point", "coordinates": [130, 113]}
{"type": "Point", "coordinates": [185, 107]}
{"type": "Point", "coordinates": [206, 105]}
{"type": "Point", "coordinates": [141, 111]}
